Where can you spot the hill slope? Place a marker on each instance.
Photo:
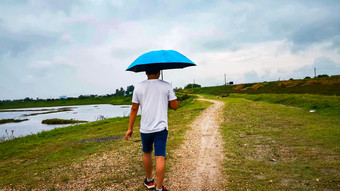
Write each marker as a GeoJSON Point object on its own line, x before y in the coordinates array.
{"type": "Point", "coordinates": [323, 86]}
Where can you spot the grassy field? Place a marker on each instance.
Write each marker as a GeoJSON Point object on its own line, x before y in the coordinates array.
{"type": "Point", "coordinates": [322, 104]}
{"type": "Point", "coordinates": [272, 142]}
{"type": "Point", "coordinates": [87, 156]}
{"type": "Point", "coordinates": [274, 147]}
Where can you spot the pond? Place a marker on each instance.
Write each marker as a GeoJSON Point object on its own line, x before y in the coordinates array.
{"type": "Point", "coordinates": [36, 115]}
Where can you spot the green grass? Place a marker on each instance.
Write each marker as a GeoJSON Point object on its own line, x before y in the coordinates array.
{"type": "Point", "coordinates": [61, 121]}
{"type": "Point", "coordinates": [3, 121]}
{"type": "Point", "coordinates": [57, 158]}
{"type": "Point", "coordinates": [306, 146]}
{"type": "Point", "coordinates": [322, 104]}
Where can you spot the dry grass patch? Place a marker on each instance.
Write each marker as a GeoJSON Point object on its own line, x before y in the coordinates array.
{"type": "Point", "coordinates": [270, 147]}
{"type": "Point", "coordinates": [289, 83]}
{"type": "Point", "coordinates": [238, 87]}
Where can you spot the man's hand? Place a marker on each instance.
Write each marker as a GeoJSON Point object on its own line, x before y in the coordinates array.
{"type": "Point", "coordinates": [173, 104]}
{"type": "Point", "coordinates": [128, 134]}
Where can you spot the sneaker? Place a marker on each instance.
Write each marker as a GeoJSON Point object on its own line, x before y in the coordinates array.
{"type": "Point", "coordinates": [164, 188]}
{"type": "Point", "coordinates": [149, 184]}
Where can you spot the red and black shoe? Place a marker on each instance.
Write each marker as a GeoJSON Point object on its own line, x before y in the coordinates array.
{"type": "Point", "coordinates": [164, 188]}
{"type": "Point", "coordinates": [149, 184]}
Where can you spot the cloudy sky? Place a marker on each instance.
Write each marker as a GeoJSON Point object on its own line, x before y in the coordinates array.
{"type": "Point", "coordinates": [50, 48]}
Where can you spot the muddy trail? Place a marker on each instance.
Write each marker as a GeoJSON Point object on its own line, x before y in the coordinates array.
{"type": "Point", "coordinates": [198, 164]}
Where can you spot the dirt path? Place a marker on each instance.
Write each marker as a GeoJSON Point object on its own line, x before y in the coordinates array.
{"type": "Point", "coordinates": [199, 162]}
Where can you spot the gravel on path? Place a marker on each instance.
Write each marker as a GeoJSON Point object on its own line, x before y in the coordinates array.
{"type": "Point", "coordinates": [198, 164]}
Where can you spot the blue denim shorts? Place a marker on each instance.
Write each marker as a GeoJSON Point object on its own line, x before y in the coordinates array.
{"type": "Point", "coordinates": [157, 139]}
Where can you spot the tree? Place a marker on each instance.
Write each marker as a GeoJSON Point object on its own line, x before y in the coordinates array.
{"type": "Point", "coordinates": [192, 86]}
{"type": "Point", "coordinates": [28, 99]}
{"type": "Point", "coordinates": [307, 78]}
{"type": "Point", "coordinates": [129, 89]}
{"type": "Point", "coordinates": [119, 92]}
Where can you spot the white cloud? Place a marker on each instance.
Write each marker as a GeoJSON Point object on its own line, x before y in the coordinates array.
{"type": "Point", "coordinates": [269, 60]}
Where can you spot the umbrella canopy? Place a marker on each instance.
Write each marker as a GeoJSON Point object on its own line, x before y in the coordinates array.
{"type": "Point", "coordinates": [165, 59]}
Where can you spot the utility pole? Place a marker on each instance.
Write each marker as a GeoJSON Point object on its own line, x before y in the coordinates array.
{"type": "Point", "coordinates": [225, 79]}
{"type": "Point", "coordinates": [314, 72]}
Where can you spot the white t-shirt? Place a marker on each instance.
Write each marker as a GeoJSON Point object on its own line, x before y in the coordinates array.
{"type": "Point", "coordinates": [153, 97]}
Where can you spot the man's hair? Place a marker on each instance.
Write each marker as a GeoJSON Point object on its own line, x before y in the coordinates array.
{"type": "Point", "coordinates": [152, 69]}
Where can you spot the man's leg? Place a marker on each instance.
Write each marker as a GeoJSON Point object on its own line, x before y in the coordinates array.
{"type": "Point", "coordinates": [160, 171]}
{"type": "Point", "coordinates": [147, 141]}
{"type": "Point", "coordinates": [160, 152]}
{"type": "Point", "coordinates": [147, 162]}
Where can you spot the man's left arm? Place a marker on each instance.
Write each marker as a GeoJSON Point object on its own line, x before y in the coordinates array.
{"type": "Point", "coordinates": [173, 104]}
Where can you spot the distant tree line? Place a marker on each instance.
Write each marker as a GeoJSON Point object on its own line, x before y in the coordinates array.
{"type": "Point", "coordinates": [118, 92]}
{"type": "Point", "coordinates": [317, 77]}
{"type": "Point", "coordinates": [321, 76]}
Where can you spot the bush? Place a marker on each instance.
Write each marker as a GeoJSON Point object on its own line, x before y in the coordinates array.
{"type": "Point", "coordinates": [323, 76]}
{"type": "Point", "coordinates": [182, 97]}
{"type": "Point", "coordinates": [192, 86]}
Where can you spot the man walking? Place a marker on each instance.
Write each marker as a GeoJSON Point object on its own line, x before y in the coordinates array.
{"type": "Point", "coordinates": [154, 97]}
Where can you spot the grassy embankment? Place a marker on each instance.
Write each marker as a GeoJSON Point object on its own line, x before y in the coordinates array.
{"type": "Point", "coordinates": [270, 146]}
{"type": "Point", "coordinates": [86, 156]}
{"type": "Point", "coordinates": [323, 86]}
{"type": "Point", "coordinates": [61, 121]}
{"type": "Point", "coordinates": [119, 100]}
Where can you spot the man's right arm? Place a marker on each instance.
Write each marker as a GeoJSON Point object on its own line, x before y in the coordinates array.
{"type": "Point", "coordinates": [173, 104]}
{"type": "Point", "coordinates": [133, 115]}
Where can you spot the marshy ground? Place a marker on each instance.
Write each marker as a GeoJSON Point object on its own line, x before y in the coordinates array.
{"type": "Point", "coordinates": [61, 121]}
{"type": "Point", "coordinates": [3, 121]}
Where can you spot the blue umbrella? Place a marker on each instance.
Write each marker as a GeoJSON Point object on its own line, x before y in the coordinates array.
{"type": "Point", "coordinates": [165, 59]}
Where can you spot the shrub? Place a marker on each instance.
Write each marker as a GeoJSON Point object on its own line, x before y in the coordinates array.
{"type": "Point", "coordinates": [192, 86]}
{"type": "Point", "coordinates": [182, 97]}
{"type": "Point", "coordinates": [323, 76]}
